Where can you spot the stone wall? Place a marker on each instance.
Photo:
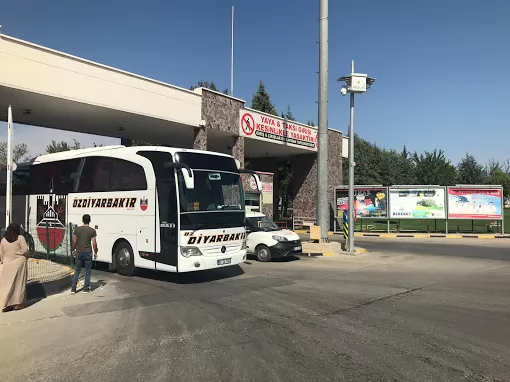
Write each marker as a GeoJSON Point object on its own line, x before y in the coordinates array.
{"type": "Point", "coordinates": [220, 112]}
{"type": "Point", "coordinates": [304, 181]}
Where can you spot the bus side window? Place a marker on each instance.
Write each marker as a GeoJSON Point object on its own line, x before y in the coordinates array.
{"type": "Point", "coordinates": [127, 176]}
{"type": "Point", "coordinates": [95, 176]}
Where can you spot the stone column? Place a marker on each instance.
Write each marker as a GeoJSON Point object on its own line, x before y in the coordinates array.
{"type": "Point", "coordinates": [334, 170]}
{"type": "Point", "coordinates": [238, 149]}
{"type": "Point", "coordinates": [304, 179]}
{"type": "Point", "coordinates": [200, 138]}
{"type": "Point", "coordinates": [304, 186]}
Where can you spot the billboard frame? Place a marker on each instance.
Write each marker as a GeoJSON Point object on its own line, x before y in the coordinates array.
{"type": "Point", "coordinates": [418, 186]}
{"type": "Point", "coordinates": [478, 187]}
{"type": "Point", "coordinates": [365, 186]}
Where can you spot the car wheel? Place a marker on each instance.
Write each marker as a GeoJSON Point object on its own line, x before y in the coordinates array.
{"type": "Point", "coordinates": [263, 253]}
{"type": "Point", "coordinates": [125, 259]}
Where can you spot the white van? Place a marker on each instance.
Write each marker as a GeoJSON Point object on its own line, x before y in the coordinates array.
{"type": "Point", "coordinates": [266, 240]}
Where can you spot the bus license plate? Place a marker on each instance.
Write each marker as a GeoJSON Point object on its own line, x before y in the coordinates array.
{"type": "Point", "coordinates": [297, 248]}
{"type": "Point", "coordinates": [224, 261]}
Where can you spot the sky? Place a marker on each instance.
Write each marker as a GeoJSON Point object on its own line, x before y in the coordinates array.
{"type": "Point", "coordinates": [440, 66]}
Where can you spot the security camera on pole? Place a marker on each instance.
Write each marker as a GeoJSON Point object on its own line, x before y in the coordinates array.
{"type": "Point", "coordinates": [356, 83]}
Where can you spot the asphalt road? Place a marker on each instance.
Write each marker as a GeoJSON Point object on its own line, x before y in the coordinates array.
{"type": "Point", "coordinates": [392, 315]}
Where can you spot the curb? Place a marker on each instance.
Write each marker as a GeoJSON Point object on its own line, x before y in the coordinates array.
{"type": "Point", "coordinates": [432, 235]}
{"type": "Point", "coordinates": [358, 250]}
{"type": "Point", "coordinates": [304, 232]}
{"type": "Point", "coordinates": [38, 290]}
{"type": "Point", "coordinates": [418, 235]}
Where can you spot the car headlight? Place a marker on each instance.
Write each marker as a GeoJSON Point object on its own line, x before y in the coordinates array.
{"type": "Point", "coordinates": [279, 238]}
{"type": "Point", "coordinates": [190, 251]}
{"type": "Point", "coordinates": [244, 246]}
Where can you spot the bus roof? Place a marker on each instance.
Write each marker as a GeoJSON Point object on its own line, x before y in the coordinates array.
{"type": "Point", "coordinates": [118, 149]}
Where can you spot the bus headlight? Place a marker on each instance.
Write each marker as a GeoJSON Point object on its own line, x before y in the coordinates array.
{"type": "Point", "coordinates": [190, 251]}
{"type": "Point", "coordinates": [279, 238]}
{"type": "Point", "coordinates": [244, 246]}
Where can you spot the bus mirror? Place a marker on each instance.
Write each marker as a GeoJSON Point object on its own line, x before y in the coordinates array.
{"type": "Point", "coordinates": [258, 182]}
{"type": "Point", "coordinates": [187, 173]}
{"type": "Point", "coordinates": [189, 179]}
{"type": "Point", "coordinates": [255, 177]}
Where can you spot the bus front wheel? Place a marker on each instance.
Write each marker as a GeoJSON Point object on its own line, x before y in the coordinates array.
{"type": "Point", "coordinates": [125, 259]}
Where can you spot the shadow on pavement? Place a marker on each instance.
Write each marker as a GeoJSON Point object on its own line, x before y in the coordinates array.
{"type": "Point", "coordinates": [197, 277]}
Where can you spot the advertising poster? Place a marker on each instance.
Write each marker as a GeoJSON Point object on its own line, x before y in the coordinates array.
{"type": "Point", "coordinates": [475, 203]}
{"type": "Point", "coordinates": [370, 202]}
{"type": "Point", "coordinates": [418, 203]}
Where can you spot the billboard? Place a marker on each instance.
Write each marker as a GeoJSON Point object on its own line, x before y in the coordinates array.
{"type": "Point", "coordinates": [370, 201]}
{"type": "Point", "coordinates": [417, 202]}
{"type": "Point", "coordinates": [478, 202]}
{"type": "Point", "coordinates": [273, 129]}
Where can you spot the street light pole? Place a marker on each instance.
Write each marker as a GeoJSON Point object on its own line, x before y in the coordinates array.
{"type": "Point", "coordinates": [356, 83]}
{"type": "Point", "coordinates": [351, 176]}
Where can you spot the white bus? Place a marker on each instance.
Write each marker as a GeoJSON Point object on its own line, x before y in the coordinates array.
{"type": "Point", "coordinates": [168, 209]}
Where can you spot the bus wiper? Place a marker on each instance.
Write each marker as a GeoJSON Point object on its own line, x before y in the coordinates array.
{"type": "Point", "coordinates": [229, 206]}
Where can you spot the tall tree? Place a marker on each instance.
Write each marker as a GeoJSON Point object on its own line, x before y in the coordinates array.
{"type": "Point", "coordinates": [310, 123]}
{"type": "Point", "coordinates": [493, 166]}
{"type": "Point", "coordinates": [470, 172]}
{"type": "Point", "coordinates": [434, 168]}
{"type": "Point", "coordinates": [284, 179]}
{"type": "Point", "coordinates": [498, 177]}
{"type": "Point", "coordinates": [19, 153]}
{"type": "Point", "coordinates": [262, 102]}
{"type": "Point", "coordinates": [368, 162]}
{"type": "Point", "coordinates": [288, 114]}
{"type": "Point", "coordinates": [204, 84]}
{"type": "Point", "coordinates": [57, 147]}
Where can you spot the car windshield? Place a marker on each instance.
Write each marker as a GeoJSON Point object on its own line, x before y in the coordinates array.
{"type": "Point", "coordinates": [261, 223]}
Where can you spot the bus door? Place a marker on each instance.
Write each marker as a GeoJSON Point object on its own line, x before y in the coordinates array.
{"type": "Point", "coordinates": [166, 219]}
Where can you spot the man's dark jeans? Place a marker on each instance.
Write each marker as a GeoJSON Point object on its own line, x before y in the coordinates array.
{"type": "Point", "coordinates": [82, 259]}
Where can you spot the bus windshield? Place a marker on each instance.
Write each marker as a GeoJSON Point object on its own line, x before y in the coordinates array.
{"type": "Point", "coordinates": [214, 191]}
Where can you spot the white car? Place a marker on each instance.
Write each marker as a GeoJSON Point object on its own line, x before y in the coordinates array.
{"type": "Point", "coordinates": [267, 241]}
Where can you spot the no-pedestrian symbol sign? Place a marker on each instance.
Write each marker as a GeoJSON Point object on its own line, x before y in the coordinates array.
{"type": "Point", "coordinates": [247, 124]}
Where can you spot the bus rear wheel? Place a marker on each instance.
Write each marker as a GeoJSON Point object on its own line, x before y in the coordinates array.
{"type": "Point", "coordinates": [124, 259]}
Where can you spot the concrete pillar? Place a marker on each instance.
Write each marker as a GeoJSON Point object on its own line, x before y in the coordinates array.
{"type": "Point", "coordinates": [200, 138]}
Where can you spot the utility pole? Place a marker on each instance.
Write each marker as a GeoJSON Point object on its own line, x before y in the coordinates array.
{"type": "Point", "coordinates": [356, 83]}
{"type": "Point", "coordinates": [232, 58]}
{"type": "Point", "coordinates": [8, 188]}
{"type": "Point", "coordinates": [322, 152]}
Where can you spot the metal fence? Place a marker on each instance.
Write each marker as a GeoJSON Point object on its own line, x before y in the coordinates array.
{"type": "Point", "coordinates": [50, 248]}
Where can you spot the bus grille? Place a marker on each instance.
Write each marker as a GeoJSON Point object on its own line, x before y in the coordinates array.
{"type": "Point", "coordinates": [216, 250]}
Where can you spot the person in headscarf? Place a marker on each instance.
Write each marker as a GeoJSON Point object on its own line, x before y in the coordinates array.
{"type": "Point", "coordinates": [13, 256]}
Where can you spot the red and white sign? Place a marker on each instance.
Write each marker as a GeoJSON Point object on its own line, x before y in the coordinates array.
{"type": "Point", "coordinates": [247, 124]}
{"type": "Point", "coordinates": [267, 187]}
{"type": "Point", "coordinates": [475, 203]}
{"type": "Point", "coordinates": [277, 130]}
